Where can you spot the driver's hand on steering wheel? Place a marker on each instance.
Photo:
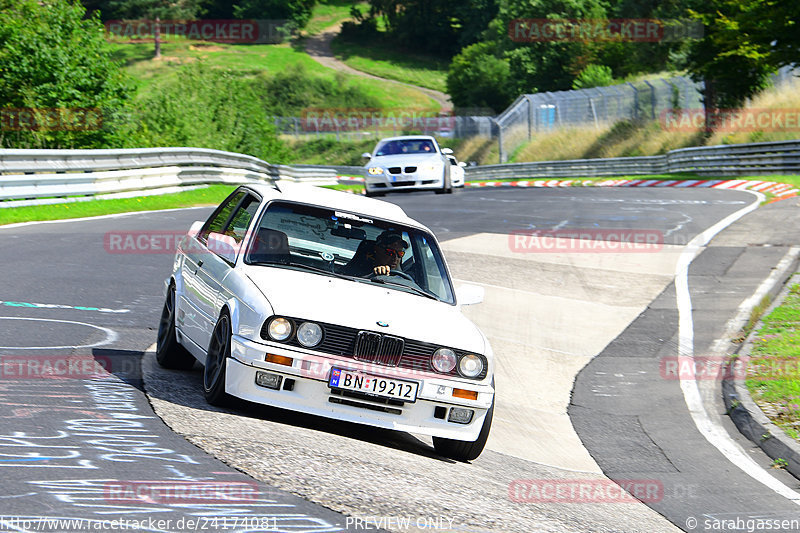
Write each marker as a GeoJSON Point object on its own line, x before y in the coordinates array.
{"type": "Point", "coordinates": [382, 270]}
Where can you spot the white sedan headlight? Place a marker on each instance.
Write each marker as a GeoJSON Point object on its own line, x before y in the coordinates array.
{"type": "Point", "coordinates": [444, 360]}
{"type": "Point", "coordinates": [375, 170]}
{"type": "Point", "coordinates": [470, 366]}
{"type": "Point", "coordinates": [309, 334]}
{"type": "Point", "coordinates": [279, 329]}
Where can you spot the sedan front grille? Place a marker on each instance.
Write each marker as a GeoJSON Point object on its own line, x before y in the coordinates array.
{"type": "Point", "coordinates": [379, 349]}
{"type": "Point", "coordinates": [411, 170]}
{"type": "Point", "coordinates": [394, 170]}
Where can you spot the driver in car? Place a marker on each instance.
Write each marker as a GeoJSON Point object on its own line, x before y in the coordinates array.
{"type": "Point", "coordinates": [389, 250]}
{"type": "Point", "coordinates": [378, 257]}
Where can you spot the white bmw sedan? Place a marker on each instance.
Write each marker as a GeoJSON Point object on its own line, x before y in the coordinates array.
{"type": "Point", "coordinates": [330, 304]}
{"type": "Point", "coordinates": [408, 163]}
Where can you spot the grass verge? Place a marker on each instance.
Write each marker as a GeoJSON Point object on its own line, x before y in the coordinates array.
{"type": "Point", "coordinates": [211, 195]}
{"type": "Point", "coordinates": [773, 373]}
{"type": "Point", "coordinates": [388, 62]}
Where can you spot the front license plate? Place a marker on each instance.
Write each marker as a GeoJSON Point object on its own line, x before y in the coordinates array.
{"type": "Point", "coordinates": [374, 385]}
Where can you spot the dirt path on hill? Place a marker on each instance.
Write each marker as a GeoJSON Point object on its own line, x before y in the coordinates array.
{"type": "Point", "coordinates": [319, 48]}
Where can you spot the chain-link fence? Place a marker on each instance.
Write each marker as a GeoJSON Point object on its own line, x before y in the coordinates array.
{"type": "Point", "coordinates": [528, 115]}
{"type": "Point", "coordinates": [535, 113]}
{"type": "Point", "coordinates": [358, 128]}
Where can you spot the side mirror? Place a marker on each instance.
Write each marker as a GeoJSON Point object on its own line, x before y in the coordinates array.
{"type": "Point", "coordinates": [447, 151]}
{"type": "Point", "coordinates": [195, 228]}
{"type": "Point", "coordinates": [462, 164]}
{"type": "Point", "coordinates": [366, 155]}
{"type": "Point", "coordinates": [469, 294]}
{"type": "Point", "coordinates": [223, 245]}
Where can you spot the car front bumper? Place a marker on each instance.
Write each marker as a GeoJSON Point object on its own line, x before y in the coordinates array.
{"type": "Point", "coordinates": [304, 388]}
{"type": "Point", "coordinates": [401, 182]}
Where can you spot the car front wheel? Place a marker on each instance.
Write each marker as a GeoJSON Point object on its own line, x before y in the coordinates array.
{"type": "Point", "coordinates": [219, 349]}
{"type": "Point", "coordinates": [169, 352]}
{"type": "Point", "coordinates": [461, 450]}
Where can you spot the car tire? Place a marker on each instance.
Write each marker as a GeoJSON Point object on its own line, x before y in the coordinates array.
{"type": "Point", "coordinates": [373, 194]}
{"type": "Point", "coordinates": [219, 350]}
{"type": "Point", "coordinates": [461, 450]}
{"type": "Point", "coordinates": [169, 352]}
{"type": "Point", "coordinates": [447, 185]}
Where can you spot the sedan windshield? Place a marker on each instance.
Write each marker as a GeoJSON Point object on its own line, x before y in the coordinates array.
{"type": "Point", "coordinates": [328, 241]}
{"type": "Point", "coordinates": [405, 146]}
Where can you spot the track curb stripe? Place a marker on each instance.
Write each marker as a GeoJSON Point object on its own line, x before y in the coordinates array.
{"type": "Point", "coordinates": [780, 190]}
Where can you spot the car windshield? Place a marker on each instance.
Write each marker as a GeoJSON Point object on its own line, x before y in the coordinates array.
{"type": "Point", "coordinates": [347, 244]}
{"type": "Point", "coordinates": [405, 146]}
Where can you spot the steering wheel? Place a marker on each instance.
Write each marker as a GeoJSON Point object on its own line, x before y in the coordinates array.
{"type": "Point", "coordinates": [392, 272]}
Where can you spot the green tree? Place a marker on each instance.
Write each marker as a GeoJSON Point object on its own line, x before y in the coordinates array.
{"type": "Point", "coordinates": [735, 57]}
{"type": "Point", "coordinates": [478, 78]}
{"type": "Point", "coordinates": [52, 60]}
{"type": "Point", "coordinates": [297, 12]}
{"type": "Point", "coordinates": [155, 10]}
{"type": "Point", "coordinates": [435, 27]}
{"type": "Point", "coordinates": [542, 65]}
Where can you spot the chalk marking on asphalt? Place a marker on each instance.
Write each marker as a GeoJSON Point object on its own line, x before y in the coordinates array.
{"type": "Point", "coordinates": [714, 434]}
{"type": "Point", "coordinates": [60, 306]}
{"type": "Point", "coordinates": [111, 335]}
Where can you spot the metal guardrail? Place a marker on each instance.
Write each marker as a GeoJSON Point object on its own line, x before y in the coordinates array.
{"type": "Point", "coordinates": [33, 174]}
{"type": "Point", "coordinates": [781, 157]}
{"type": "Point", "coordinates": [37, 174]}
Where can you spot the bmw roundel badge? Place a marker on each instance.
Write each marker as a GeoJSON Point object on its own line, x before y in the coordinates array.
{"type": "Point", "coordinates": [382, 324]}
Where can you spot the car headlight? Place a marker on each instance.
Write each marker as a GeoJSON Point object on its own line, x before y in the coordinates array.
{"type": "Point", "coordinates": [470, 366]}
{"type": "Point", "coordinates": [309, 334]}
{"type": "Point", "coordinates": [429, 168]}
{"type": "Point", "coordinates": [375, 170]}
{"type": "Point", "coordinates": [279, 329]}
{"type": "Point", "coordinates": [444, 360]}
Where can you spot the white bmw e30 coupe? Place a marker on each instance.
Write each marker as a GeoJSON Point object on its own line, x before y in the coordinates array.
{"type": "Point", "coordinates": [277, 296]}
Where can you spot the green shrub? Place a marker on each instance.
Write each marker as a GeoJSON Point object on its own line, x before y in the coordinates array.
{"type": "Point", "coordinates": [205, 108]}
{"type": "Point", "coordinates": [593, 76]}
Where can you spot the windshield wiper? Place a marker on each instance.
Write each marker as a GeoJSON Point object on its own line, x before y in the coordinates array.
{"type": "Point", "coordinates": [305, 267]}
{"type": "Point", "coordinates": [395, 284]}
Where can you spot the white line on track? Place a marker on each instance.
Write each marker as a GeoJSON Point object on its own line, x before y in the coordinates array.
{"type": "Point", "coordinates": [111, 335]}
{"type": "Point", "coordinates": [714, 433]}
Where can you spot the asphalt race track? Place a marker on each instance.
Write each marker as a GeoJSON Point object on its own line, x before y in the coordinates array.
{"type": "Point", "coordinates": [580, 337]}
